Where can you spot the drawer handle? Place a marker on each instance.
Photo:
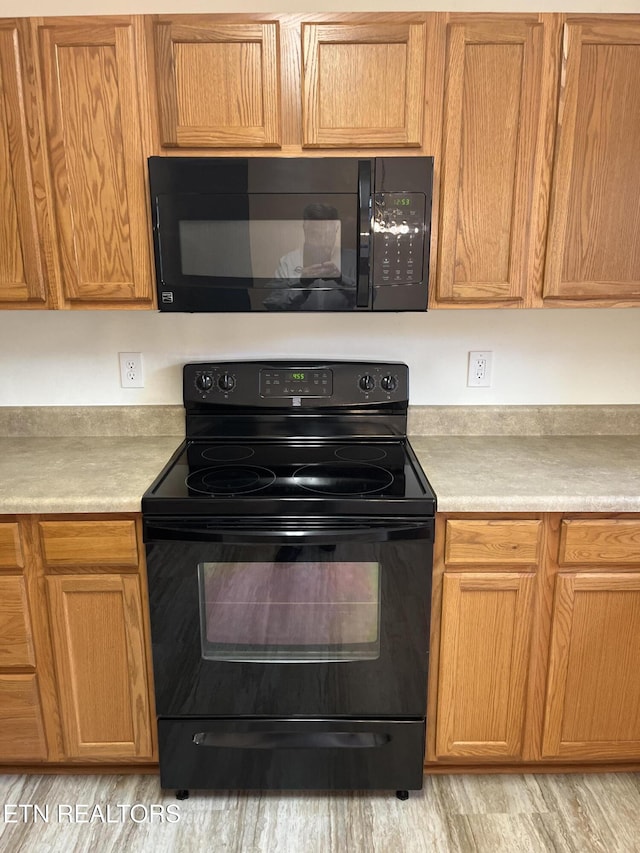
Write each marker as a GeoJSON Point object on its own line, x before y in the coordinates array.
{"type": "Point", "coordinates": [291, 740]}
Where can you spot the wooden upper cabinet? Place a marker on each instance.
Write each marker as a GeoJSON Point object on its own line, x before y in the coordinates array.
{"type": "Point", "coordinates": [23, 279]}
{"type": "Point", "coordinates": [495, 158]}
{"type": "Point", "coordinates": [218, 84]}
{"type": "Point", "coordinates": [593, 251]}
{"type": "Point", "coordinates": [363, 84]}
{"type": "Point", "coordinates": [593, 692]}
{"type": "Point", "coordinates": [92, 73]}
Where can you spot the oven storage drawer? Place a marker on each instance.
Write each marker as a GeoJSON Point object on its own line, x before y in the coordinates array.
{"type": "Point", "coordinates": [291, 754]}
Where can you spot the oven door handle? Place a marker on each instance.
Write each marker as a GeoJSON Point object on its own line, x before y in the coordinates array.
{"type": "Point", "coordinates": [291, 536]}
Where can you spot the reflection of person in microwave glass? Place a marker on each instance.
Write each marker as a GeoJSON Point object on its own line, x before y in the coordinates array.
{"type": "Point", "coordinates": [320, 275]}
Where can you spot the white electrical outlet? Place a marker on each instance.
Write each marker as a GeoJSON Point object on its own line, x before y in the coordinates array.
{"type": "Point", "coordinates": [479, 373]}
{"type": "Point", "coordinates": [131, 370]}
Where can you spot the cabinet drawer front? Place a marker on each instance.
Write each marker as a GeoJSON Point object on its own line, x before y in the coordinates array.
{"type": "Point", "coordinates": [501, 543]}
{"type": "Point", "coordinates": [607, 541]}
{"type": "Point", "coordinates": [10, 547]}
{"type": "Point", "coordinates": [21, 732]}
{"type": "Point", "coordinates": [89, 543]}
{"type": "Point", "coordinates": [16, 648]}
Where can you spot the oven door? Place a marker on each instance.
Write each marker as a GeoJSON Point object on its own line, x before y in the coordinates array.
{"type": "Point", "coordinates": [290, 618]}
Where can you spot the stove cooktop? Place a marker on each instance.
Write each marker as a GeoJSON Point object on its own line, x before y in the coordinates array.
{"type": "Point", "coordinates": [293, 438]}
{"type": "Point", "coordinates": [288, 477]}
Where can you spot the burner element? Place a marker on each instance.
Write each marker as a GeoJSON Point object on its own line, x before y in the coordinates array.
{"type": "Point", "coordinates": [361, 453]}
{"type": "Point", "coordinates": [343, 478]}
{"type": "Point", "coordinates": [230, 480]}
{"type": "Point", "coordinates": [227, 453]}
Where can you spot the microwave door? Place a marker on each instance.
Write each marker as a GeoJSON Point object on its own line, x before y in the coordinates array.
{"type": "Point", "coordinates": [258, 251]}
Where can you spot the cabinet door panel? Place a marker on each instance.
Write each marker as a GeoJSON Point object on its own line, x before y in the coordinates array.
{"type": "Point", "coordinates": [483, 664]}
{"type": "Point", "coordinates": [363, 84]}
{"type": "Point", "coordinates": [218, 84]}
{"type": "Point", "coordinates": [21, 732]}
{"type": "Point", "coordinates": [22, 270]}
{"type": "Point", "coordinates": [16, 646]}
{"type": "Point", "coordinates": [95, 138]}
{"type": "Point", "coordinates": [497, 78]}
{"type": "Point", "coordinates": [98, 643]}
{"type": "Point", "coordinates": [593, 693]}
{"type": "Point", "coordinates": [593, 250]}
{"type": "Point", "coordinates": [10, 546]}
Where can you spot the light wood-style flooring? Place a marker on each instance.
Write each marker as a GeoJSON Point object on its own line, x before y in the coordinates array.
{"type": "Point", "coordinates": [597, 813]}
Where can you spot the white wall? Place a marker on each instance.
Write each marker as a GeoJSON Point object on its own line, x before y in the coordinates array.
{"type": "Point", "coordinates": [576, 356]}
{"type": "Point", "coordinates": [540, 357]}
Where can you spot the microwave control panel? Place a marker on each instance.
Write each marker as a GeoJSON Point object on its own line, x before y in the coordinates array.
{"type": "Point", "coordinates": [399, 233]}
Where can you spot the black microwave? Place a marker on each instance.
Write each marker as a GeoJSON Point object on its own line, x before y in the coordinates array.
{"type": "Point", "coordinates": [291, 234]}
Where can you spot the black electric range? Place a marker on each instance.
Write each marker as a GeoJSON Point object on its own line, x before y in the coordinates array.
{"type": "Point", "coordinates": [289, 546]}
{"type": "Point", "coordinates": [261, 442]}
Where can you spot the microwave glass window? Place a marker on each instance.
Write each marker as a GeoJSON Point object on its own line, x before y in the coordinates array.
{"type": "Point", "coordinates": [290, 611]}
{"type": "Point", "coordinates": [272, 249]}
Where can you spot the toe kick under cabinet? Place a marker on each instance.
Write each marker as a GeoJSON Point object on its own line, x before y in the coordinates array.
{"type": "Point", "coordinates": [75, 677]}
{"type": "Point", "coordinates": [535, 645]}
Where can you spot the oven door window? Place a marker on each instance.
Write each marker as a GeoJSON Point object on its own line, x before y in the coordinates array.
{"type": "Point", "coordinates": [289, 611]}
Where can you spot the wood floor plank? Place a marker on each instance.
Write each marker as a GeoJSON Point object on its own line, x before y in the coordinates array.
{"type": "Point", "coordinates": [595, 813]}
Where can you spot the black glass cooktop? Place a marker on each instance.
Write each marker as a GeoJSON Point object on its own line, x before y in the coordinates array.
{"type": "Point", "coordinates": [227, 477]}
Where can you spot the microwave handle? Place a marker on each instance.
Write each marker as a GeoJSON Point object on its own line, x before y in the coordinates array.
{"type": "Point", "coordinates": [364, 230]}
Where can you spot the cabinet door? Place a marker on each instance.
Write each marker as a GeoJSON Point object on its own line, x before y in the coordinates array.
{"type": "Point", "coordinates": [23, 281]}
{"type": "Point", "coordinates": [593, 692]}
{"type": "Point", "coordinates": [217, 83]}
{"type": "Point", "coordinates": [21, 731]}
{"type": "Point", "coordinates": [98, 642]}
{"type": "Point", "coordinates": [95, 128]}
{"type": "Point", "coordinates": [593, 250]}
{"type": "Point", "coordinates": [484, 662]}
{"type": "Point", "coordinates": [499, 75]}
{"type": "Point", "coordinates": [11, 556]}
{"type": "Point", "coordinates": [363, 84]}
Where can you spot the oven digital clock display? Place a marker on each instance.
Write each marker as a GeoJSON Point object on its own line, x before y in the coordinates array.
{"type": "Point", "coordinates": [296, 383]}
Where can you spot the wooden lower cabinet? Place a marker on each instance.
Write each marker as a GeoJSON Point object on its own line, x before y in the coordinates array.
{"type": "Point", "coordinates": [535, 645]}
{"type": "Point", "coordinates": [75, 671]}
{"type": "Point", "coordinates": [484, 656]}
{"type": "Point", "coordinates": [593, 690]}
{"type": "Point", "coordinates": [98, 641]}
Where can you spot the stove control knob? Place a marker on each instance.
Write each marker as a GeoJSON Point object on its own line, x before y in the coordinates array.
{"type": "Point", "coordinates": [226, 382]}
{"type": "Point", "coordinates": [204, 382]}
{"type": "Point", "coordinates": [367, 383]}
{"type": "Point", "coordinates": [389, 383]}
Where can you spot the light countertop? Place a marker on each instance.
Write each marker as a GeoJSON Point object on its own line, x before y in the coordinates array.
{"type": "Point", "coordinates": [597, 473]}
{"type": "Point", "coordinates": [80, 473]}
{"type": "Point", "coordinates": [104, 474]}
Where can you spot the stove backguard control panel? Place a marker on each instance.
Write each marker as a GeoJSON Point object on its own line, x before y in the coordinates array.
{"type": "Point", "coordinates": [283, 384]}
